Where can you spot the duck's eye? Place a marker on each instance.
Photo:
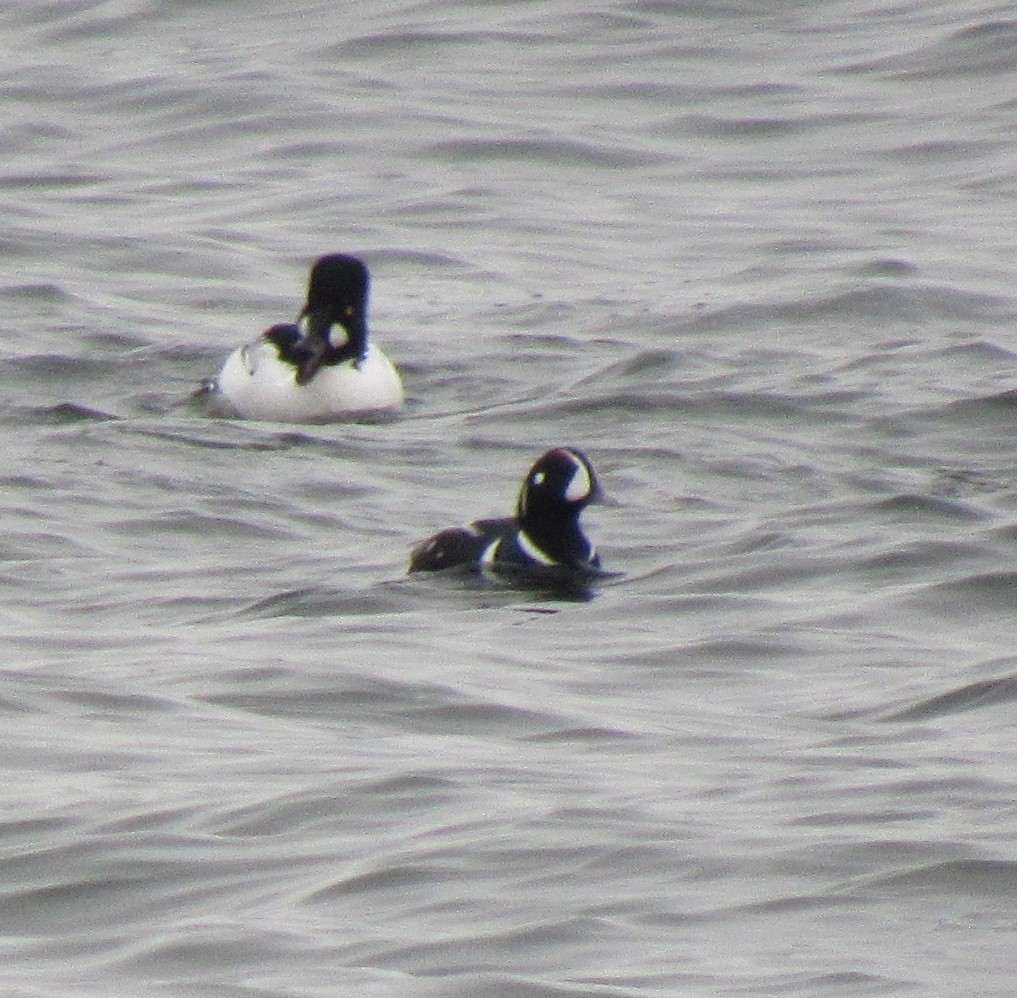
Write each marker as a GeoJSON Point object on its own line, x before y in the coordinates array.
{"type": "Point", "coordinates": [349, 311]}
{"type": "Point", "coordinates": [538, 479]}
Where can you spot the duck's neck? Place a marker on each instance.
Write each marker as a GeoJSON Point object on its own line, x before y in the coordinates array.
{"type": "Point", "coordinates": [560, 538]}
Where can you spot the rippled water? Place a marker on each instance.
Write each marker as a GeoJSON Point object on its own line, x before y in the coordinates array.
{"type": "Point", "coordinates": [755, 259]}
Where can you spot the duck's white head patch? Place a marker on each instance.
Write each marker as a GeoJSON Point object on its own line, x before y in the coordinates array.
{"type": "Point", "coordinates": [580, 486]}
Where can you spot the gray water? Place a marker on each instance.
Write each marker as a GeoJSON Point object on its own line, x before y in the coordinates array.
{"type": "Point", "coordinates": [755, 258]}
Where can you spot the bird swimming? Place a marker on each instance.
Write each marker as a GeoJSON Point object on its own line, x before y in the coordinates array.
{"type": "Point", "coordinates": [542, 543]}
{"type": "Point", "coordinates": [319, 368]}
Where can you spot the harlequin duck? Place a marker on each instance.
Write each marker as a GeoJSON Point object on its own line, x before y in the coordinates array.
{"type": "Point", "coordinates": [542, 543]}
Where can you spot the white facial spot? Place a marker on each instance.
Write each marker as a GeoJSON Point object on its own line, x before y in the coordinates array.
{"type": "Point", "coordinates": [580, 486]}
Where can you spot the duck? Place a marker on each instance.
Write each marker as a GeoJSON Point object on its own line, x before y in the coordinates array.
{"type": "Point", "coordinates": [303, 372]}
{"type": "Point", "coordinates": [542, 543]}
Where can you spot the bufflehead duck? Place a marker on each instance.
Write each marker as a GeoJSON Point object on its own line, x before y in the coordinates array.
{"type": "Point", "coordinates": [542, 543]}
{"type": "Point", "coordinates": [297, 373]}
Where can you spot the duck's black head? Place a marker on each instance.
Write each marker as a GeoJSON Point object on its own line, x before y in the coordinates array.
{"type": "Point", "coordinates": [558, 487]}
{"type": "Point", "coordinates": [336, 295]}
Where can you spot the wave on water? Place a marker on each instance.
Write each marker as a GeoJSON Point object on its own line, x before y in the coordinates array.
{"type": "Point", "coordinates": [978, 695]}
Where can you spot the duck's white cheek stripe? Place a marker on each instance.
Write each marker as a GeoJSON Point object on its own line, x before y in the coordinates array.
{"type": "Point", "coordinates": [580, 486]}
{"type": "Point", "coordinates": [532, 551]}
